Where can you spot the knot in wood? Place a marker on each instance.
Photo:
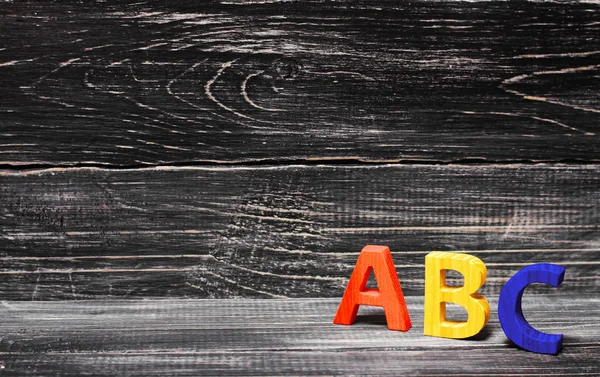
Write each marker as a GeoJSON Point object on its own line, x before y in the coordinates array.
{"type": "Point", "coordinates": [286, 68]}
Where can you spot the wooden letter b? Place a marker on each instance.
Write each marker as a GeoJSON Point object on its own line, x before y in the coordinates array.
{"type": "Point", "coordinates": [437, 294]}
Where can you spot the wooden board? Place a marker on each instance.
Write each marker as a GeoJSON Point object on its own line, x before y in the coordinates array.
{"type": "Point", "coordinates": [291, 231]}
{"type": "Point", "coordinates": [239, 149]}
{"type": "Point", "coordinates": [133, 83]}
{"type": "Point", "coordinates": [278, 337]}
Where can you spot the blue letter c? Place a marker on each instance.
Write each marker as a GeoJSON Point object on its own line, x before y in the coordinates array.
{"type": "Point", "coordinates": [510, 312]}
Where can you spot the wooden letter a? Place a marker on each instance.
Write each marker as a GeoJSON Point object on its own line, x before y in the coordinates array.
{"type": "Point", "coordinates": [389, 295]}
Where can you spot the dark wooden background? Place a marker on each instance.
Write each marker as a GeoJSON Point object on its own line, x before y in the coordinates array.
{"type": "Point", "coordinates": [251, 148]}
{"type": "Point", "coordinates": [241, 149]}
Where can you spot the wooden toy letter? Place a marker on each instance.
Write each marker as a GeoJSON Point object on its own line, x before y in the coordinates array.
{"type": "Point", "coordinates": [510, 313]}
{"type": "Point", "coordinates": [437, 294]}
{"type": "Point", "coordinates": [389, 295]}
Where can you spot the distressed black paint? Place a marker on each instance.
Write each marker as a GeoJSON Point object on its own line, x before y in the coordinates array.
{"type": "Point", "coordinates": [274, 89]}
{"type": "Point", "coordinates": [159, 82]}
{"type": "Point", "coordinates": [292, 231]}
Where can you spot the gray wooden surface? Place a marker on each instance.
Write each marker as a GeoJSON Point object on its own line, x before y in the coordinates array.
{"type": "Point", "coordinates": [278, 337]}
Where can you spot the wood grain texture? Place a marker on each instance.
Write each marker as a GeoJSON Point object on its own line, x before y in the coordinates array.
{"type": "Point", "coordinates": [278, 337]}
{"type": "Point", "coordinates": [130, 108]}
{"type": "Point", "coordinates": [292, 231]}
{"type": "Point", "coordinates": [157, 82]}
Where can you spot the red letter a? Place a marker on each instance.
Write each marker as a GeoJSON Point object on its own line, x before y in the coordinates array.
{"type": "Point", "coordinates": [389, 295]}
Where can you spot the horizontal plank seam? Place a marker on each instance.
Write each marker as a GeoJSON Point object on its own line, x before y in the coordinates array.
{"type": "Point", "coordinates": [25, 169]}
{"type": "Point", "coordinates": [334, 161]}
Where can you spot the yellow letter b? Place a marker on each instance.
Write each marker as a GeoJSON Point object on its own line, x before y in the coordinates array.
{"type": "Point", "coordinates": [437, 294]}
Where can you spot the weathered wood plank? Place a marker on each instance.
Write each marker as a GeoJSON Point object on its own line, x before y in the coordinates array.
{"type": "Point", "coordinates": [158, 82]}
{"type": "Point", "coordinates": [292, 231]}
{"type": "Point", "coordinates": [278, 337]}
